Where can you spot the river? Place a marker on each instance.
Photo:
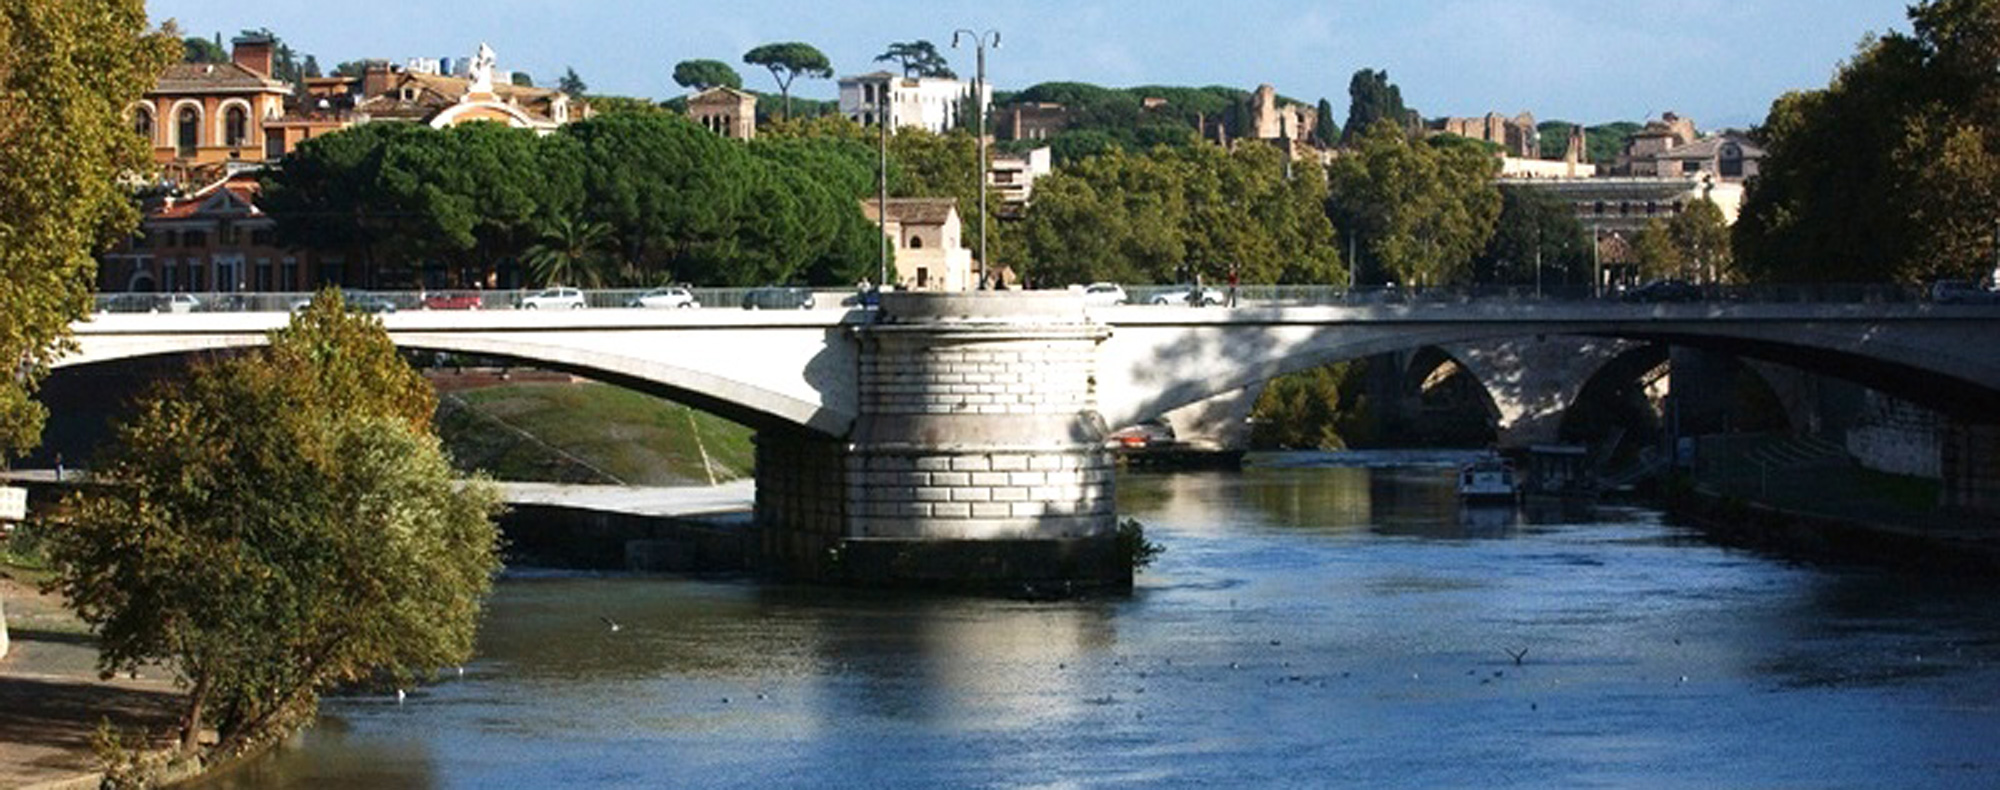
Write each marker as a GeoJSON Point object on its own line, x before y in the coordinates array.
{"type": "Point", "coordinates": [1315, 620]}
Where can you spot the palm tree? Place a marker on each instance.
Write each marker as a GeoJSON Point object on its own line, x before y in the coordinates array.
{"type": "Point", "coordinates": [570, 251]}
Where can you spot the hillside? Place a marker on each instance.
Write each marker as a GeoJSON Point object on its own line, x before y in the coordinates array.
{"type": "Point", "coordinates": [588, 433]}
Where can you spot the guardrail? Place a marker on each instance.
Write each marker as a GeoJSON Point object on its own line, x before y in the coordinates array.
{"type": "Point", "coordinates": [1246, 295]}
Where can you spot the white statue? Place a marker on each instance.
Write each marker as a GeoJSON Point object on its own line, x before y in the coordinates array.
{"type": "Point", "coordinates": [482, 70]}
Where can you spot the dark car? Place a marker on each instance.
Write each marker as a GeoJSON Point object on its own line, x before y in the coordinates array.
{"type": "Point", "coordinates": [778, 299]}
{"type": "Point", "coordinates": [1664, 291]}
{"type": "Point", "coordinates": [1962, 292]}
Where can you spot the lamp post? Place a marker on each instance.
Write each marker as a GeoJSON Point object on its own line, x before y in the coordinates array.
{"type": "Point", "coordinates": [979, 43]}
{"type": "Point", "coordinates": [882, 177]}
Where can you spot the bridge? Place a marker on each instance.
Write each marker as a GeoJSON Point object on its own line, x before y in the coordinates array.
{"type": "Point", "coordinates": [889, 439]}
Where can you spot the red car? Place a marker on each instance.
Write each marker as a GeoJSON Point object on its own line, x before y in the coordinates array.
{"type": "Point", "coordinates": [452, 301]}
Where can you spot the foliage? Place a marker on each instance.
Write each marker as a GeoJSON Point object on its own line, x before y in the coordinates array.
{"type": "Point", "coordinates": [629, 105]}
{"type": "Point", "coordinates": [1693, 246]}
{"type": "Point", "coordinates": [522, 79]}
{"type": "Point", "coordinates": [570, 252]}
{"type": "Point", "coordinates": [68, 70]}
{"type": "Point", "coordinates": [1309, 410]}
{"type": "Point", "coordinates": [788, 61]}
{"type": "Point", "coordinates": [1421, 210]}
{"type": "Point", "coordinates": [917, 58]}
{"type": "Point", "coordinates": [1892, 172]}
{"type": "Point", "coordinates": [571, 83]}
{"type": "Point", "coordinates": [700, 75]}
{"type": "Point", "coordinates": [1653, 249]}
{"type": "Point", "coordinates": [285, 522]}
{"type": "Point", "coordinates": [1372, 98]}
{"type": "Point", "coordinates": [1134, 547]}
{"type": "Point", "coordinates": [1324, 130]}
{"type": "Point", "coordinates": [1173, 213]}
{"type": "Point", "coordinates": [1601, 143]}
{"type": "Point", "coordinates": [1536, 231]}
{"type": "Point", "coordinates": [195, 49]}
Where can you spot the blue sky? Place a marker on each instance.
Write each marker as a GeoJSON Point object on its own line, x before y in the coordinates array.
{"type": "Point", "coordinates": [1717, 61]}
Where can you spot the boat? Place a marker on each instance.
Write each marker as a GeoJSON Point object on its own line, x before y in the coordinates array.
{"type": "Point", "coordinates": [1489, 479]}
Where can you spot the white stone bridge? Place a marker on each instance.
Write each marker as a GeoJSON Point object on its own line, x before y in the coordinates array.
{"type": "Point", "coordinates": [980, 416]}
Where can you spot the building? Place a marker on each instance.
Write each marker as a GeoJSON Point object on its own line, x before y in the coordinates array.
{"type": "Point", "coordinates": [1011, 178]}
{"type": "Point", "coordinates": [929, 241]}
{"type": "Point", "coordinates": [1288, 125]}
{"type": "Point", "coordinates": [1032, 121]}
{"type": "Point", "coordinates": [1730, 157]}
{"type": "Point", "coordinates": [205, 114]}
{"type": "Point", "coordinates": [725, 111]}
{"type": "Point", "coordinates": [388, 93]}
{"type": "Point", "coordinates": [1642, 150]}
{"type": "Point", "coordinates": [1516, 136]}
{"type": "Point", "coordinates": [929, 103]}
{"type": "Point", "coordinates": [213, 240]}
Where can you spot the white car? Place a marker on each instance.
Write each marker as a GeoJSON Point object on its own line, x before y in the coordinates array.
{"type": "Point", "coordinates": [674, 297]}
{"type": "Point", "coordinates": [1102, 294]}
{"type": "Point", "coordinates": [1210, 297]}
{"type": "Point", "coordinates": [552, 299]}
{"type": "Point", "coordinates": [177, 303]}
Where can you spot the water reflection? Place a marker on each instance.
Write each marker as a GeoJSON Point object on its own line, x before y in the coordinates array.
{"type": "Point", "coordinates": [1308, 624]}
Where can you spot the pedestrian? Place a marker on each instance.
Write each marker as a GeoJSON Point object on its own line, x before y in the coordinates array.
{"type": "Point", "coordinates": [1232, 285]}
{"type": "Point", "coordinates": [59, 467]}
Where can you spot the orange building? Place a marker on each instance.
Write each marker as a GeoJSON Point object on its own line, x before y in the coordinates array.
{"type": "Point", "coordinates": [215, 240]}
{"type": "Point", "coordinates": [212, 113]}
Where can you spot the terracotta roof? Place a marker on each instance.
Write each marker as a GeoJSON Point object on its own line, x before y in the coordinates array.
{"type": "Point", "coordinates": [214, 77]}
{"type": "Point", "coordinates": [914, 211]}
{"type": "Point", "coordinates": [732, 95]}
{"type": "Point", "coordinates": [434, 93]}
{"type": "Point", "coordinates": [243, 186]}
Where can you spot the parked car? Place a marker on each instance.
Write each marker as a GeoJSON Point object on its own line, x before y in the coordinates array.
{"type": "Point", "coordinates": [1151, 433]}
{"type": "Point", "coordinates": [129, 303]}
{"type": "Point", "coordinates": [453, 300]}
{"type": "Point", "coordinates": [1187, 297]}
{"type": "Point", "coordinates": [671, 297]}
{"type": "Point", "coordinates": [1102, 294]}
{"type": "Point", "coordinates": [177, 303]}
{"type": "Point", "coordinates": [1962, 292]}
{"type": "Point", "coordinates": [778, 298]}
{"type": "Point", "coordinates": [558, 298]}
{"type": "Point", "coordinates": [1664, 291]}
{"type": "Point", "coordinates": [364, 302]}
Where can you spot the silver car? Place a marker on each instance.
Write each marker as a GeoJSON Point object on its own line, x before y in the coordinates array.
{"type": "Point", "coordinates": [671, 298]}
{"type": "Point", "coordinates": [557, 298]}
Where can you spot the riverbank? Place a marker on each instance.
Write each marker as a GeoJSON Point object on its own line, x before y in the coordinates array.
{"type": "Point", "coordinates": [52, 701]}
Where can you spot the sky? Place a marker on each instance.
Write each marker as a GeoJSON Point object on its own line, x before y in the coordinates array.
{"type": "Point", "coordinates": [1720, 62]}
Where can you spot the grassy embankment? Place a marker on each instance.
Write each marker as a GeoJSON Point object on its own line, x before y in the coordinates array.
{"type": "Point", "coordinates": [589, 433]}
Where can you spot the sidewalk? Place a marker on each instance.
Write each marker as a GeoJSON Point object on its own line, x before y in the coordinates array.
{"type": "Point", "coordinates": [51, 700]}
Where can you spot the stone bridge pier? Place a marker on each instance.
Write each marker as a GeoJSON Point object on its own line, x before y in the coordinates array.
{"type": "Point", "coordinates": [976, 458]}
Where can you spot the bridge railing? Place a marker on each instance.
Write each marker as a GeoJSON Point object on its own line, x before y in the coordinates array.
{"type": "Point", "coordinates": [1246, 295]}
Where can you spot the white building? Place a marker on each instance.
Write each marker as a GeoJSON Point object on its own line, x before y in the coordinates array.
{"type": "Point", "coordinates": [929, 240]}
{"type": "Point", "coordinates": [922, 103]}
{"type": "Point", "coordinates": [1012, 178]}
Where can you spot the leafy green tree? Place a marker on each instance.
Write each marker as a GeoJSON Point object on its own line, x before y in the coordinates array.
{"type": "Point", "coordinates": [788, 61]}
{"type": "Point", "coordinates": [570, 253]}
{"type": "Point", "coordinates": [1700, 235]}
{"type": "Point", "coordinates": [1656, 254]}
{"type": "Point", "coordinates": [917, 58]}
{"type": "Point", "coordinates": [1325, 133]}
{"type": "Point", "coordinates": [195, 49]}
{"type": "Point", "coordinates": [283, 522]}
{"type": "Point", "coordinates": [350, 68]}
{"type": "Point", "coordinates": [1535, 229]}
{"type": "Point", "coordinates": [522, 79]}
{"type": "Point", "coordinates": [1890, 173]}
{"type": "Point", "coordinates": [629, 105]}
{"type": "Point", "coordinates": [69, 69]}
{"type": "Point", "coordinates": [1372, 98]}
{"type": "Point", "coordinates": [700, 75]}
{"type": "Point", "coordinates": [572, 84]}
{"type": "Point", "coordinates": [1420, 210]}
{"type": "Point", "coordinates": [1317, 409]}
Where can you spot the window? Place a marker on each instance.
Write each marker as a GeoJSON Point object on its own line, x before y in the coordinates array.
{"type": "Point", "coordinates": [188, 131]}
{"type": "Point", "coordinates": [194, 238]}
{"type": "Point", "coordinates": [228, 233]}
{"type": "Point", "coordinates": [235, 127]}
{"type": "Point", "coordinates": [262, 238]}
{"type": "Point", "coordinates": [916, 242]}
{"type": "Point", "coordinates": [142, 123]}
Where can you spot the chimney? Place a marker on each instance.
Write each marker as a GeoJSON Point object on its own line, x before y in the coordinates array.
{"type": "Point", "coordinates": [253, 53]}
{"type": "Point", "coordinates": [374, 79]}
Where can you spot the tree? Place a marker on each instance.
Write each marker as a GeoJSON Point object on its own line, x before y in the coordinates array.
{"type": "Point", "coordinates": [1700, 235]}
{"type": "Point", "coordinates": [522, 79]}
{"type": "Point", "coordinates": [69, 69]}
{"type": "Point", "coordinates": [917, 58]}
{"type": "Point", "coordinates": [700, 75]}
{"type": "Point", "coordinates": [788, 61]}
{"type": "Point", "coordinates": [350, 68]}
{"type": "Point", "coordinates": [283, 522]}
{"type": "Point", "coordinates": [195, 49]}
{"type": "Point", "coordinates": [570, 252]}
{"type": "Point", "coordinates": [1421, 210]}
{"type": "Point", "coordinates": [1536, 231]}
{"type": "Point", "coordinates": [1892, 172]}
{"type": "Point", "coordinates": [1372, 98]}
{"type": "Point", "coordinates": [1656, 254]}
{"type": "Point", "coordinates": [1325, 133]}
{"type": "Point", "coordinates": [572, 84]}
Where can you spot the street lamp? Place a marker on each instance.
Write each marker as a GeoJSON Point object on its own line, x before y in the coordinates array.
{"type": "Point", "coordinates": [882, 177]}
{"type": "Point", "coordinates": [980, 41]}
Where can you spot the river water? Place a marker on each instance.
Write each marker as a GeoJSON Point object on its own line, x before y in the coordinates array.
{"type": "Point", "coordinates": [1316, 620]}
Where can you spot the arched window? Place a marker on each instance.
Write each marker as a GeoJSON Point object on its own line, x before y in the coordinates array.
{"type": "Point", "coordinates": [916, 242]}
{"type": "Point", "coordinates": [235, 127]}
{"type": "Point", "coordinates": [142, 123]}
{"type": "Point", "coordinates": [187, 131]}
